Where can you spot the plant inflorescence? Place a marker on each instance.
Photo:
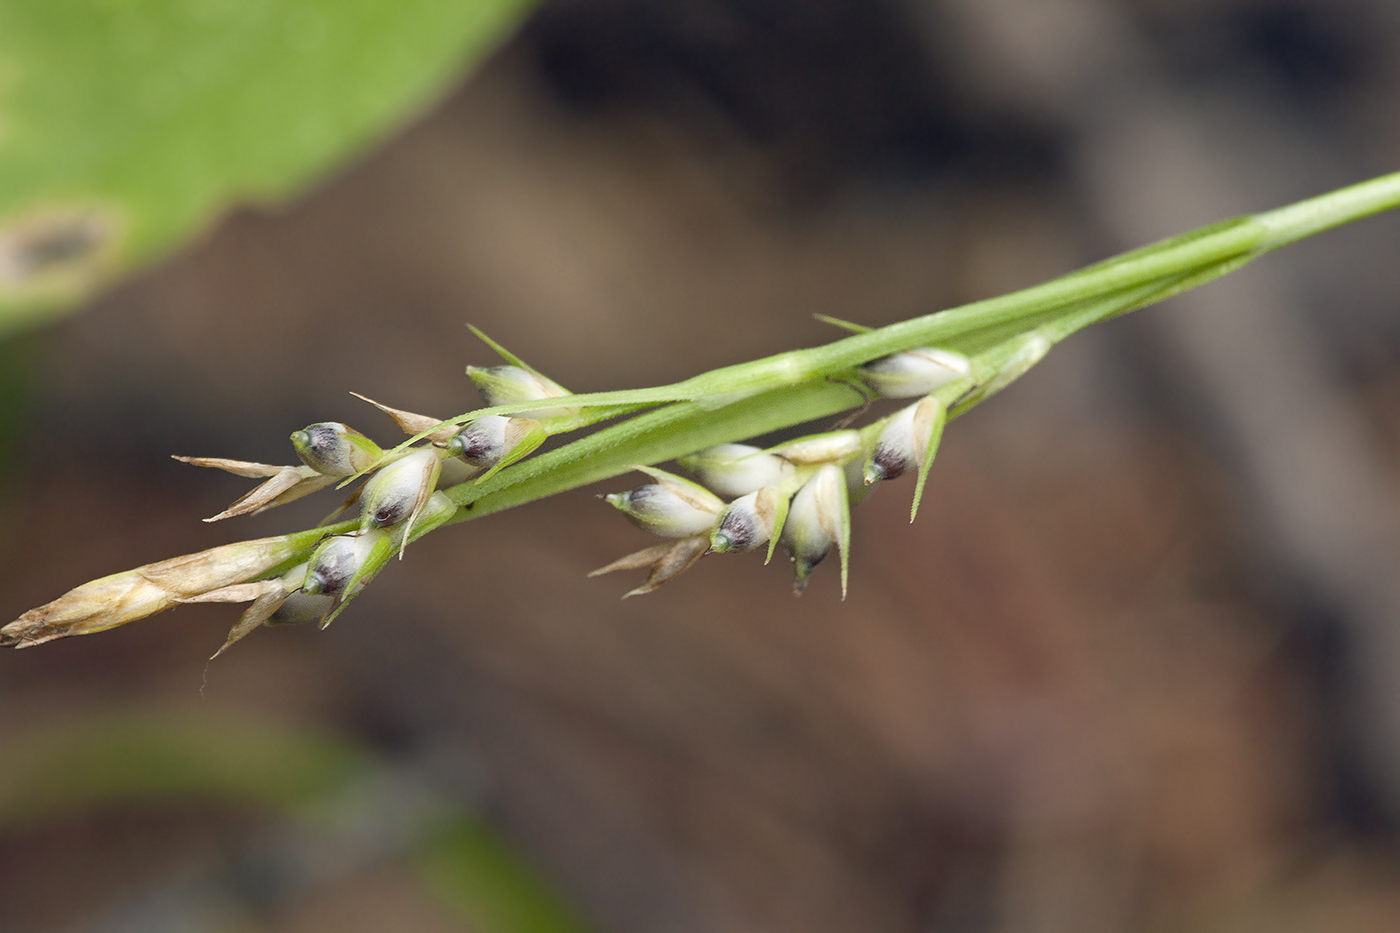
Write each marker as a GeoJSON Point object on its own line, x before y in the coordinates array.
{"type": "Point", "coordinates": [734, 497]}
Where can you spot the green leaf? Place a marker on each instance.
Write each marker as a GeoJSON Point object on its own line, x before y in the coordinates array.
{"type": "Point", "coordinates": [76, 766]}
{"type": "Point", "coordinates": [486, 882]}
{"type": "Point", "coordinates": [128, 125]}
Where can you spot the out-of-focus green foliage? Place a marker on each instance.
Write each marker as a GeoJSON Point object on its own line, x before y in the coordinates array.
{"type": "Point", "coordinates": [489, 885]}
{"type": "Point", "coordinates": [74, 767]}
{"type": "Point", "coordinates": [127, 125]}
{"type": "Point", "coordinates": [70, 768]}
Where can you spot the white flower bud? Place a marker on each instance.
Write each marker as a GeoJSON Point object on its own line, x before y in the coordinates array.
{"type": "Point", "coordinates": [507, 385]}
{"type": "Point", "coordinates": [737, 469]}
{"type": "Point", "coordinates": [671, 507]}
{"type": "Point", "coordinates": [482, 442]}
{"type": "Point", "coordinates": [489, 439]}
{"type": "Point", "coordinates": [822, 448]}
{"type": "Point", "coordinates": [343, 562]}
{"type": "Point", "coordinates": [747, 522]}
{"type": "Point", "coordinates": [332, 449]}
{"type": "Point", "coordinates": [915, 372]}
{"type": "Point", "coordinates": [397, 492]}
{"type": "Point", "coordinates": [1032, 350]}
{"type": "Point", "coordinates": [817, 520]}
{"type": "Point", "coordinates": [903, 443]}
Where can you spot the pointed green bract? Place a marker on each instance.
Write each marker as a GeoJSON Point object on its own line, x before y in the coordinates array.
{"type": "Point", "coordinates": [844, 325]}
{"type": "Point", "coordinates": [843, 540]}
{"type": "Point", "coordinates": [779, 520]}
{"type": "Point", "coordinates": [940, 418]}
{"type": "Point", "coordinates": [502, 352]}
{"type": "Point", "coordinates": [379, 554]}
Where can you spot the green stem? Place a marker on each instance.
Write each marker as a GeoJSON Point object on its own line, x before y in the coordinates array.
{"type": "Point", "coordinates": [650, 438]}
{"type": "Point", "coordinates": [1289, 224]}
{"type": "Point", "coordinates": [747, 399]}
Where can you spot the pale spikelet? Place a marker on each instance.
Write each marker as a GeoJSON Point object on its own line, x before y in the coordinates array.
{"type": "Point", "coordinates": [135, 594]}
{"type": "Point", "coordinates": [285, 484]}
{"type": "Point", "coordinates": [915, 372]}
{"type": "Point", "coordinates": [665, 562]}
{"type": "Point", "coordinates": [343, 565]}
{"type": "Point", "coordinates": [903, 442]}
{"type": "Point", "coordinates": [341, 561]}
{"type": "Point", "coordinates": [508, 385]}
{"type": "Point", "coordinates": [737, 469]}
{"type": "Point", "coordinates": [830, 447]}
{"type": "Point", "coordinates": [335, 449]}
{"type": "Point", "coordinates": [494, 441]}
{"type": "Point", "coordinates": [412, 423]}
{"type": "Point", "coordinates": [398, 491]}
{"type": "Point", "coordinates": [483, 442]}
{"type": "Point", "coordinates": [818, 519]}
{"type": "Point", "coordinates": [672, 507]}
{"type": "Point", "coordinates": [748, 522]}
{"type": "Point", "coordinates": [437, 511]}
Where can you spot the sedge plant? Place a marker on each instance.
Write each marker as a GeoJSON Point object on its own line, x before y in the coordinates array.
{"type": "Point", "coordinates": [722, 496]}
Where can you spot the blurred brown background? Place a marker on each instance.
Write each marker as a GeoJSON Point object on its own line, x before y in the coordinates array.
{"type": "Point", "coordinates": [1137, 667]}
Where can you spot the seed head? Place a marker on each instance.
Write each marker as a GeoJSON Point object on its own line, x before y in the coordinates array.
{"type": "Point", "coordinates": [737, 469]}
{"type": "Point", "coordinates": [135, 594]}
{"type": "Point", "coordinates": [822, 448]}
{"type": "Point", "coordinates": [747, 522]}
{"type": "Point", "coordinates": [817, 520]}
{"type": "Point", "coordinates": [915, 372]}
{"type": "Point", "coordinates": [672, 507]}
{"type": "Point", "coordinates": [481, 443]}
{"type": "Point", "coordinates": [342, 564]}
{"type": "Point", "coordinates": [332, 449]}
{"type": "Point", "coordinates": [486, 441]}
{"type": "Point", "coordinates": [903, 443]}
{"type": "Point", "coordinates": [398, 491]}
{"type": "Point", "coordinates": [508, 385]}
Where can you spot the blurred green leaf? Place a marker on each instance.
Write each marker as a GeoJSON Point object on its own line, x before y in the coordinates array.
{"type": "Point", "coordinates": [70, 767]}
{"type": "Point", "coordinates": [77, 766]}
{"type": "Point", "coordinates": [473, 871]}
{"type": "Point", "coordinates": [128, 125]}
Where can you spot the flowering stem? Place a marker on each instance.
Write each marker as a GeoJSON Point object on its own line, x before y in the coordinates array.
{"type": "Point", "coordinates": [999, 339]}
{"type": "Point", "coordinates": [748, 399]}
